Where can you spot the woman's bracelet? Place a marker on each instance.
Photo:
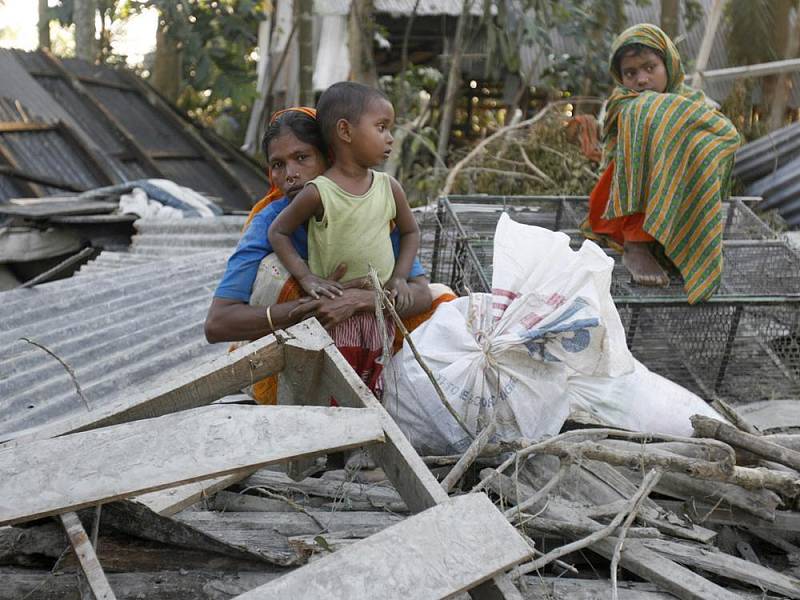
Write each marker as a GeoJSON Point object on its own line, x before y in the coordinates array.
{"type": "Point", "coordinates": [269, 319]}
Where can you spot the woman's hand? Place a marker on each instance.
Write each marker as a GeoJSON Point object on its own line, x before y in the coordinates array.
{"type": "Point", "coordinates": [400, 293]}
{"type": "Point", "coordinates": [332, 311]}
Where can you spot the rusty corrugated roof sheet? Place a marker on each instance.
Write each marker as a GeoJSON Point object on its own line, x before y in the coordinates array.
{"type": "Point", "coordinates": [126, 129]}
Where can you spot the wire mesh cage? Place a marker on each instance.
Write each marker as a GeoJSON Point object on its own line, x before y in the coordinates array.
{"type": "Point", "coordinates": [743, 345]}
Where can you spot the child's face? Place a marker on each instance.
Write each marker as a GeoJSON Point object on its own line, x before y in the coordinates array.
{"type": "Point", "coordinates": [293, 163]}
{"type": "Point", "coordinates": [372, 134]}
{"type": "Point", "coordinates": [645, 71]}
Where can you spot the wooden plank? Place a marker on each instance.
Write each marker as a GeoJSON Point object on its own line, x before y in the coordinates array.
{"type": "Point", "coordinates": [88, 559]}
{"type": "Point", "coordinates": [723, 514]}
{"type": "Point", "coordinates": [346, 492]}
{"type": "Point", "coordinates": [401, 463]}
{"type": "Point", "coordinates": [139, 521]}
{"type": "Point", "coordinates": [10, 126]}
{"type": "Point", "coordinates": [667, 574]}
{"type": "Point", "coordinates": [267, 534]}
{"type": "Point", "coordinates": [202, 385]}
{"type": "Point", "coordinates": [438, 553]}
{"type": "Point", "coordinates": [173, 500]}
{"type": "Point", "coordinates": [791, 65]}
{"type": "Point", "coordinates": [163, 452]}
{"type": "Point", "coordinates": [157, 584]}
{"type": "Point", "coordinates": [719, 563]}
{"type": "Point", "coordinates": [564, 588]}
{"type": "Point", "coordinates": [299, 385]}
{"type": "Point", "coordinates": [772, 414]}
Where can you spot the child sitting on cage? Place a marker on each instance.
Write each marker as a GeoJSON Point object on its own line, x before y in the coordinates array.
{"type": "Point", "coordinates": [669, 156]}
{"type": "Point", "coordinates": [350, 208]}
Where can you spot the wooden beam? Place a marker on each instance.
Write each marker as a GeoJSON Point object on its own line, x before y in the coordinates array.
{"type": "Point", "coordinates": [714, 18]}
{"type": "Point", "coordinates": [88, 559]}
{"type": "Point", "coordinates": [437, 553]}
{"type": "Point", "coordinates": [130, 142]}
{"type": "Point", "coordinates": [202, 385]}
{"type": "Point", "coordinates": [776, 67]}
{"type": "Point", "coordinates": [159, 453]}
{"type": "Point", "coordinates": [668, 575]}
{"type": "Point", "coordinates": [724, 514]}
{"type": "Point", "coordinates": [188, 129]}
{"type": "Point", "coordinates": [403, 466]}
{"type": "Point", "coordinates": [731, 567]}
{"type": "Point", "coordinates": [11, 126]}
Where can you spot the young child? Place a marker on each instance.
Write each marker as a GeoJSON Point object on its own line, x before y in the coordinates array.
{"type": "Point", "coordinates": [350, 209]}
{"type": "Point", "coordinates": [669, 156]}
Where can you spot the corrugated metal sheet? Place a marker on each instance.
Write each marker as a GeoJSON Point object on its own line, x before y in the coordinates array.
{"type": "Point", "coordinates": [781, 191]}
{"type": "Point", "coordinates": [120, 331]}
{"type": "Point", "coordinates": [763, 156]}
{"type": "Point", "coordinates": [46, 89]}
{"type": "Point", "coordinates": [186, 236]}
{"type": "Point", "coordinates": [47, 152]}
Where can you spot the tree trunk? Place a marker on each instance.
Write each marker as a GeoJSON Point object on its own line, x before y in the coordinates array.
{"type": "Point", "coordinates": [305, 39]}
{"type": "Point", "coordinates": [670, 15]}
{"type": "Point", "coordinates": [360, 35]}
{"type": "Point", "coordinates": [167, 65]}
{"type": "Point", "coordinates": [453, 81]}
{"type": "Point", "coordinates": [84, 16]}
{"type": "Point", "coordinates": [44, 25]}
{"type": "Point", "coordinates": [785, 45]}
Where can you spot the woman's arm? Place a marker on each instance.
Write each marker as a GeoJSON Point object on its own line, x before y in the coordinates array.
{"type": "Point", "coordinates": [234, 321]}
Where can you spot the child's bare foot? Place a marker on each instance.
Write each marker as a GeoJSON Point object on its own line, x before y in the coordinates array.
{"type": "Point", "coordinates": [642, 265]}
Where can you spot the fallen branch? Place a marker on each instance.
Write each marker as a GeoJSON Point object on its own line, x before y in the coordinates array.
{"type": "Point", "coordinates": [530, 164]}
{"type": "Point", "coordinates": [474, 450]}
{"type": "Point", "coordinates": [648, 483]}
{"type": "Point", "coordinates": [514, 513]}
{"type": "Point", "coordinates": [711, 428]}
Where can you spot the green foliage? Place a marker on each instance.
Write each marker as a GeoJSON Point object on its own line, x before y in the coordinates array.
{"type": "Point", "coordinates": [217, 39]}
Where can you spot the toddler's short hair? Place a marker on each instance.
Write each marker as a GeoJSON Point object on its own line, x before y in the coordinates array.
{"type": "Point", "coordinates": [635, 49]}
{"type": "Point", "coordinates": [344, 100]}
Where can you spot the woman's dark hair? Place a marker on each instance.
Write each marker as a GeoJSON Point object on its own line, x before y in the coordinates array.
{"type": "Point", "coordinates": [635, 49]}
{"type": "Point", "coordinates": [303, 127]}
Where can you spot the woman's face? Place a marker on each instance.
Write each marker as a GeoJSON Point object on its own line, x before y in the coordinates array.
{"type": "Point", "coordinates": [644, 72]}
{"type": "Point", "coordinates": [293, 163]}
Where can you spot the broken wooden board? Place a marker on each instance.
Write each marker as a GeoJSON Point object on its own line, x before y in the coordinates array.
{"type": "Point", "coordinates": [402, 465]}
{"type": "Point", "coordinates": [129, 459]}
{"type": "Point", "coordinates": [731, 567]}
{"type": "Point", "coordinates": [564, 588]}
{"type": "Point", "coordinates": [772, 414]}
{"type": "Point", "coordinates": [438, 553]}
{"type": "Point", "coordinates": [88, 559]}
{"type": "Point", "coordinates": [45, 209]}
{"type": "Point", "coordinates": [173, 500]}
{"type": "Point", "coordinates": [345, 494]}
{"type": "Point", "coordinates": [267, 534]}
{"type": "Point", "coordinates": [199, 386]}
{"type": "Point", "coordinates": [164, 584]}
{"type": "Point", "coordinates": [667, 574]}
{"type": "Point", "coordinates": [783, 520]}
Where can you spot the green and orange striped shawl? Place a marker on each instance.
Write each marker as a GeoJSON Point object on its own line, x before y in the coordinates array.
{"type": "Point", "coordinates": [673, 155]}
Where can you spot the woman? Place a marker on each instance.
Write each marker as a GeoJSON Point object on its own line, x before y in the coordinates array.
{"type": "Point", "coordinates": [669, 157]}
{"type": "Point", "coordinates": [256, 295]}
